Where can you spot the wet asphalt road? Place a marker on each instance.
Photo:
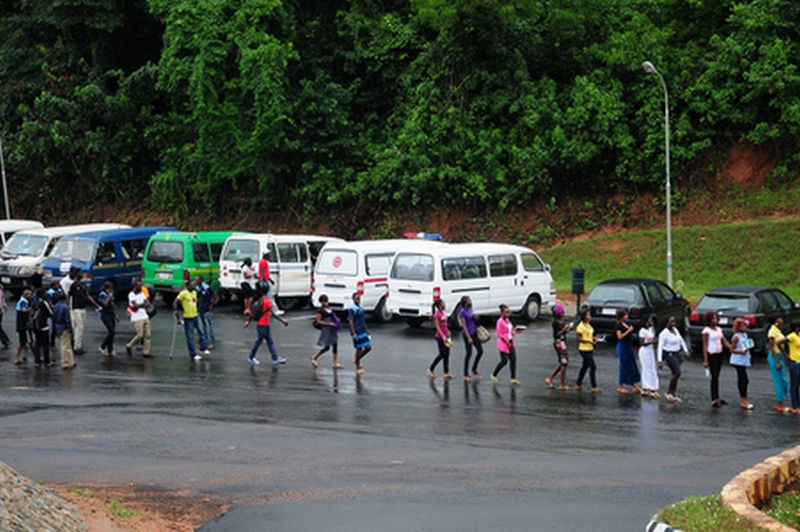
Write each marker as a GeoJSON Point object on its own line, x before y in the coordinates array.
{"type": "Point", "coordinates": [297, 449]}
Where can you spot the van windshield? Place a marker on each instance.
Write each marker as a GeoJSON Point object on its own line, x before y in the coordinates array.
{"type": "Point", "coordinates": [24, 245]}
{"type": "Point", "coordinates": [238, 249]}
{"type": "Point", "coordinates": [167, 252]}
{"type": "Point", "coordinates": [73, 250]}
{"type": "Point", "coordinates": [337, 262]}
{"type": "Point", "coordinates": [413, 267]}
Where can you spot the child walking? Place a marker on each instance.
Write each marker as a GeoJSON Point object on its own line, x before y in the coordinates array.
{"type": "Point", "coordinates": [328, 324]}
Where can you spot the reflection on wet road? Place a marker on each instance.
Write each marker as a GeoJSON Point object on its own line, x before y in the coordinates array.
{"type": "Point", "coordinates": [400, 444]}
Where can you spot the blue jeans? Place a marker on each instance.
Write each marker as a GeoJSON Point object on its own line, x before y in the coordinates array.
{"type": "Point", "coordinates": [794, 383]}
{"type": "Point", "coordinates": [264, 334]}
{"type": "Point", "coordinates": [189, 326]}
{"type": "Point", "coordinates": [207, 327]}
{"type": "Point", "coordinates": [271, 297]}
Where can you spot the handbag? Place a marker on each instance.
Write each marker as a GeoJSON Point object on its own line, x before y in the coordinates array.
{"type": "Point", "coordinates": [483, 334]}
{"type": "Point", "coordinates": [151, 310]}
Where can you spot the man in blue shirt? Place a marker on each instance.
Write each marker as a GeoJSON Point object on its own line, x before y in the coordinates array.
{"type": "Point", "coordinates": [23, 314]}
{"type": "Point", "coordinates": [206, 299]}
{"type": "Point", "coordinates": [62, 327]}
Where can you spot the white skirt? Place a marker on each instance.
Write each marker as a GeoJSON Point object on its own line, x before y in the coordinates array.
{"type": "Point", "coordinates": [647, 360]}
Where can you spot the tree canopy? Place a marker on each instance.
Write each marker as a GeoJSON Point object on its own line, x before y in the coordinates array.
{"type": "Point", "coordinates": [394, 104]}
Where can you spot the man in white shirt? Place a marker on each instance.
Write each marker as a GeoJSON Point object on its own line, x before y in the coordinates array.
{"type": "Point", "coordinates": [66, 282]}
{"type": "Point", "coordinates": [137, 309]}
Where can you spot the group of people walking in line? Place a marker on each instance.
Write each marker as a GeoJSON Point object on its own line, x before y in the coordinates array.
{"type": "Point", "coordinates": [59, 312]}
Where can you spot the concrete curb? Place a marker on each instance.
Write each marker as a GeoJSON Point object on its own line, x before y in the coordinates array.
{"type": "Point", "coordinates": [752, 487]}
{"type": "Point", "coordinates": [658, 526]}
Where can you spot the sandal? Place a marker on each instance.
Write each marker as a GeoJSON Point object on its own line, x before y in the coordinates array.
{"type": "Point", "coordinates": [314, 363]}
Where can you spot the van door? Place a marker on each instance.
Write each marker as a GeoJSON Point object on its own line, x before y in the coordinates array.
{"type": "Point", "coordinates": [202, 264]}
{"type": "Point", "coordinates": [106, 264]}
{"type": "Point", "coordinates": [505, 282]}
{"type": "Point", "coordinates": [465, 276]}
{"type": "Point", "coordinates": [295, 269]}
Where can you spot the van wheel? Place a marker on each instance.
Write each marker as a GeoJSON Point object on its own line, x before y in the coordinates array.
{"type": "Point", "coordinates": [415, 322]}
{"type": "Point", "coordinates": [168, 297]}
{"type": "Point", "coordinates": [532, 308]}
{"type": "Point", "coordinates": [381, 312]}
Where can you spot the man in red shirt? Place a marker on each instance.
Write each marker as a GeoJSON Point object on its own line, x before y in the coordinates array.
{"type": "Point", "coordinates": [265, 279]}
{"type": "Point", "coordinates": [264, 333]}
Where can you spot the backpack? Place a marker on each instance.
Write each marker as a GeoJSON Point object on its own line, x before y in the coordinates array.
{"type": "Point", "coordinates": [40, 317]}
{"type": "Point", "coordinates": [257, 309]}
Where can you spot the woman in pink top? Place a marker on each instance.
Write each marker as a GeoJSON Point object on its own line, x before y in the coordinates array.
{"type": "Point", "coordinates": [505, 344]}
{"type": "Point", "coordinates": [442, 340]}
{"type": "Point", "coordinates": [713, 340]}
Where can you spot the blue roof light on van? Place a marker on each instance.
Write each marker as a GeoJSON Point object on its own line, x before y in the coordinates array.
{"type": "Point", "coordinates": [424, 236]}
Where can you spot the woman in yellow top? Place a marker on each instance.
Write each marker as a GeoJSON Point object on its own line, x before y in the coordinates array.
{"type": "Point", "coordinates": [586, 342]}
{"type": "Point", "coordinates": [777, 367]}
{"type": "Point", "coordinates": [794, 367]}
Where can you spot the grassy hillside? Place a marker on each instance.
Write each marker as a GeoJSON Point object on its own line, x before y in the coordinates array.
{"type": "Point", "coordinates": [704, 257]}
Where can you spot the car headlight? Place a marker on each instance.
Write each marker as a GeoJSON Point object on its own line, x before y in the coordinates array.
{"type": "Point", "coordinates": [25, 271]}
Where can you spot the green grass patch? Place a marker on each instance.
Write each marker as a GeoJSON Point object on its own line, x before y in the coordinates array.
{"type": "Point", "coordinates": [705, 514]}
{"type": "Point", "coordinates": [80, 492]}
{"type": "Point", "coordinates": [704, 257]}
{"type": "Point", "coordinates": [784, 508]}
{"type": "Point", "coordinates": [116, 508]}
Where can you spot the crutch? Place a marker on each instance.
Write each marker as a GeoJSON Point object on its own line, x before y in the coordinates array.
{"type": "Point", "coordinates": [174, 332]}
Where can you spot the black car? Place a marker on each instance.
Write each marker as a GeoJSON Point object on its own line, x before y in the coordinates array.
{"type": "Point", "coordinates": [641, 298]}
{"type": "Point", "coordinates": [759, 305]}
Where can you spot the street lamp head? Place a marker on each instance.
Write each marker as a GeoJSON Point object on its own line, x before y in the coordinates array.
{"type": "Point", "coordinates": [649, 68]}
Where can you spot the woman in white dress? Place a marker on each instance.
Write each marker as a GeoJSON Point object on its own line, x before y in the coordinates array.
{"type": "Point", "coordinates": [647, 358]}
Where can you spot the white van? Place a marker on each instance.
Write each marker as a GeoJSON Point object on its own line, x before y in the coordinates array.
{"type": "Point", "coordinates": [22, 256]}
{"type": "Point", "coordinates": [490, 274]}
{"type": "Point", "coordinates": [9, 227]}
{"type": "Point", "coordinates": [361, 266]}
{"type": "Point", "coordinates": [290, 261]}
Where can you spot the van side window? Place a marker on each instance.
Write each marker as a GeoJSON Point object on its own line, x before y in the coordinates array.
{"type": "Point", "coordinates": [288, 253]}
{"type": "Point", "coordinates": [216, 252]}
{"type": "Point", "coordinates": [503, 265]}
{"type": "Point", "coordinates": [463, 268]}
{"type": "Point", "coordinates": [378, 264]}
{"type": "Point", "coordinates": [273, 254]}
{"type": "Point", "coordinates": [531, 262]}
{"type": "Point", "coordinates": [106, 252]}
{"type": "Point", "coordinates": [302, 251]}
{"type": "Point", "coordinates": [413, 267]}
{"type": "Point", "coordinates": [200, 252]}
{"type": "Point", "coordinates": [133, 249]}
{"type": "Point", "coordinates": [783, 300]}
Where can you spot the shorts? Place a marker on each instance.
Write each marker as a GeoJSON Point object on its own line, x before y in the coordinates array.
{"type": "Point", "coordinates": [247, 290]}
{"type": "Point", "coordinates": [361, 341]}
{"type": "Point", "coordinates": [23, 337]}
{"type": "Point", "coordinates": [673, 360]}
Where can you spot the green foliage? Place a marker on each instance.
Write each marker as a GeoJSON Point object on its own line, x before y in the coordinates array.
{"type": "Point", "coordinates": [116, 509]}
{"type": "Point", "coordinates": [784, 507]}
{"type": "Point", "coordinates": [705, 514]}
{"type": "Point", "coordinates": [704, 257]}
{"type": "Point", "coordinates": [392, 105]}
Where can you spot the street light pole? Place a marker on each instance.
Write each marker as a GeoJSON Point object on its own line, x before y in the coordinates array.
{"type": "Point", "coordinates": [5, 187]}
{"type": "Point", "coordinates": [650, 69]}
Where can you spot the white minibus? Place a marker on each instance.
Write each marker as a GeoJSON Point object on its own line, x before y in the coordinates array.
{"type": "Point", "coordinates": [491, 274]}
{"type": "Point", "coordinates": [9, 227]}
{"type": "Point", "coordinates": [344, 268]}
{"type": "Point", "coordinates": [290, 261]}
{"type": "Point", "coordinates": [22, 256]}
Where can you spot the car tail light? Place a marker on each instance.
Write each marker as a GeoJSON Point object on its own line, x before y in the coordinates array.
{"type": "Point", "coordinates": [313, 285]}
{"type": "Point", "coordinates": [750, 319]}
{"type": "Point", "coordinates": [185, 275]}
{"type": "Point", "coordinates": [360, 288]}
{"type": "Point", "coordinates": [437, 292]}
{"type": "Point", "coordinates": [224, 270]}
{"type": "Point", "coordinates": [634, 312]}
{"type": "Point", "coordinates": [87, 276]}
{"type": "Point", "coordinates": [387, 291]}
{"type": "Point", "coordinates": [694, 317]}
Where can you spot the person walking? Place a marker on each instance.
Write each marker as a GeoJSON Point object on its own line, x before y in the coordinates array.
{"type": "Point", "coordinates": [670, 347]}
{"type": "Point", "coordinates": [628, 372]}
{"type": "Point", "coordinates": [137, 310]}
{"type": "Point", "coordinates": [266, 281]}
{"type": "Point", "coordinates": [263, 315]}
{"type": "Point", "coordinates": [187, 298]}
{"type": "Point", "coordinates": [109, 318]}
{"type": "Point", "coordinates": [776, 362]}
{"type": "Point", "coordinates": [560, 330]}
{"type": "Point", "coordinates": [23, 315]}
{"type": "Point", "coordinates": [647, 358]}
{"type": "Point", "coordinates": [443, 341]}
{"type": "Point", "coordinates": [248, 284]}
{"type": "Point", "coordinates": [793, 341]}
{"type": "Point", "coordinates": [328, 324]}
{"type": "Point", "coordinates": [362, 342]}
{"type": "Point", "coordinates": [41, 316]}
{"type": "Point", "coordinates": [62, 326]}
{"type": "Point", "coordinates": [469, 333]}
{"type": "Point", "coordinates": [506, 346]}
{"type": "Point", "coordinates": [713, 342]}
{"type": "Point", "coordinates": [79, 298]}
{"type": "Point", "coordinates": [740, 359]}
{"type": "Point", "coordinates": [206, 299]}
{"type": "Point", "coordinates": [586, 343]}
{"type": "Point", "coordinates": [3, 308]}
